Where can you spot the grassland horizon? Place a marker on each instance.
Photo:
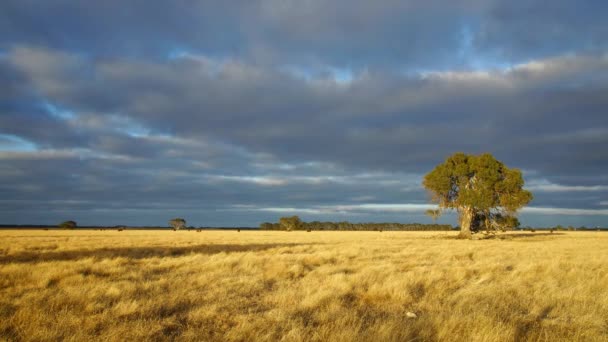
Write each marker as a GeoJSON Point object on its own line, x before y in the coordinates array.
{"type": "Point", "coordinates": [302, 286]}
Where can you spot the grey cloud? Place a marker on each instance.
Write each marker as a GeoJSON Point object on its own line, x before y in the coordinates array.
{"type": "Point", "coordinates": [354, 34]}
{"type": "Point", "coordinates": [418, 119]}
{"type": "Point", "coordinates": [520, 30]}
{"type": "Point", "coordinates": [141, 110]}
{"type": "Point", "coordinates": [88, 182]}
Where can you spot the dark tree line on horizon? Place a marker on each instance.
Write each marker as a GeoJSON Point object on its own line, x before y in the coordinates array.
{"type": "Point", "coordinates": [294, 223]}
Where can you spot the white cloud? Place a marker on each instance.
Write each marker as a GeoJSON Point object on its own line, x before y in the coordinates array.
{"type": "Point", "coordinates": [546, 186]}
{"type": "Point", "coordinates": [565, 211]}
{"type": "Point", "coordinates": [409, 207]}
{"type": "Point", "coordinates": [259, 180]}
{"type": "Point", "coordinates": [38, 155]}
{"type": "Point", "coordinates": [345, 209]}
{"type": "Point", "coordinates": [386, 207]}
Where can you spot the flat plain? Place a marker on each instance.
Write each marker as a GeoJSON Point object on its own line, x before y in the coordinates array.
{"type": "Point", "coordinates": [84, 285]}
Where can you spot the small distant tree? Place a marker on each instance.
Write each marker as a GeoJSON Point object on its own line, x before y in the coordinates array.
{"type": "Point", "coordinates": [476, 186]}
{"type": "Point", "coordinates": [68, 224]}
{"type": "Point", "coordinates": [290, 223]}
{"type": "Point", "coordinates": [177, 223]}
{"type": "Point", "coordinates": [433, 214]}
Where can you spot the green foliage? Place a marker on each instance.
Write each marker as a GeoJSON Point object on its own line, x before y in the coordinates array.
{"type": "Point", "coordinates": [290, 223]}
{"type": "Point", "coordinates": [177, 223]}
{"type": "Point", "coordinates": [480, 188]}
{"type": "Point", "coordinates": [68, 225]}
{"type": "Point", "coordinates": [317, 225]}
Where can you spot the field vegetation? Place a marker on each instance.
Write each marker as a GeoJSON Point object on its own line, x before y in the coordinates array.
{"type": "Point", "coordinates": [294, 223]}
{"type": "Point", "coordinates": [84, 285]}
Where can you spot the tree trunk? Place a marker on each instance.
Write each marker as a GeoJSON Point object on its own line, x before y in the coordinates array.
{"type": "Point", "coordinates": [466, 218]}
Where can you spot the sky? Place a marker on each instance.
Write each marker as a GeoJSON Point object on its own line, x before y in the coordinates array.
{"type": "Point", "coordinates": [232, 113]}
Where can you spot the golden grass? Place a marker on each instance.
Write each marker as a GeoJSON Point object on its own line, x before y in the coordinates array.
{"type": "Point", "coordinates": [299, 286]}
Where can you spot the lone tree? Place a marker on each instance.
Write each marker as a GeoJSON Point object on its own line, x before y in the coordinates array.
{"type": "Point", "coordinates": [68, 225]}
{"type": "Point", "coordinates": [480, 188]}
{"type": "Point", "coordinates": [177, 223]}
{"type": "Point", "coordinates": [290, 223]}
{"type": "Point", "coordinates": [433, 214]}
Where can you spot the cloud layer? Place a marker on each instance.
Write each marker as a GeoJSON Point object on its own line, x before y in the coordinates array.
{"type": "Point", "coordinates": [230, 114]}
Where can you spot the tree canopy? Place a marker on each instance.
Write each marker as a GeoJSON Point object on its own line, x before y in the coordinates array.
{"type": "Point", "coordinates": [480, 188]}
{"type": "Point", "coordinates": [177, 223]}
{"type": "Point", "coordinates": [290, 223]}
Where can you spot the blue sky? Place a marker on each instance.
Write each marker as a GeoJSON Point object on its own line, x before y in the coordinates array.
{"type": "Point", "coordinates": [234, 113]}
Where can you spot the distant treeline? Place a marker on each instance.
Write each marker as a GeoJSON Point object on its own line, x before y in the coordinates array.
{"type": "Point", "coordinates": [47, 226]}
{"type": "Point", "coordinates": [317, 225]}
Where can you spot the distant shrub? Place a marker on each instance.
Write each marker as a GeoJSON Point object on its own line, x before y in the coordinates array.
{"type": "Point", "coordinates": [533, 230]}
{"type": "Point", "coordinates": [68, 225]}
{"type": "Point", "coordinates": [238, 230]}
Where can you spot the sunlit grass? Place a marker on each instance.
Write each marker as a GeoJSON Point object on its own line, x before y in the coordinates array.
{"type": "Point", "coordinates": [299, 286]}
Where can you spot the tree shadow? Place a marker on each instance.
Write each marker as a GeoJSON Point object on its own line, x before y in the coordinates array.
{"type": "Point", "coordinates": [136, 252]}
{"type": "Point", "coordinates": [528, 235]}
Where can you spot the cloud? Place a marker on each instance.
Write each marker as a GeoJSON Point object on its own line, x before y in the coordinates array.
{"type": "Point", "coordinates": [532, 29]}
{"type": "Point", "coordinates": [259, 180]}
{"type": "Point", "coordinates": [330, 106]}
{"type": "Point", "coordinates": [358, 209]}
{"type": "Point", "coordinates": [192, 121]}
{"type": "Point", "coordinates": [408, 34]}
{"type": "Point", "coordinates": [565, 211]}
{"type": "Point", "coordinates": [378, 116]}
{"type": "Point", "coordinates": [352, 208]}
{"type": "Point", "coordinates": [545, 186]}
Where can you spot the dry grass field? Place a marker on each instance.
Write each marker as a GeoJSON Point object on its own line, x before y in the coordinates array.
{"type": "Point", "coordinates": [298, 286]}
